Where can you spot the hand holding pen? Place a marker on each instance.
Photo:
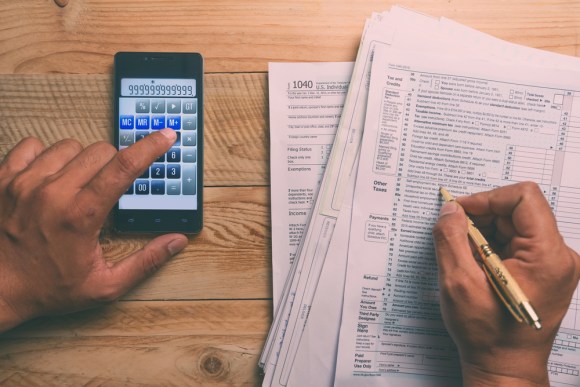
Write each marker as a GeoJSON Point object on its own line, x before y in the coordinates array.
{"type": "Point", "coordinates": [520, 226]}
{"type": "Point", "coordinates": [505, 286]}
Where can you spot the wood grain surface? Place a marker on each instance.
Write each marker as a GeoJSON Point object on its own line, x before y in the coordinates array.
{"type": "Point", "coordinates": [140, 343]}
{"type": "Point", "coordinates": [38, 36]}
{"type": "Point", "coordinates": [202, 319]}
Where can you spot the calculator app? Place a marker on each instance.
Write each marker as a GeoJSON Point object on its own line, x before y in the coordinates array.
{"type": "Point", "coordinates": [147, 105]}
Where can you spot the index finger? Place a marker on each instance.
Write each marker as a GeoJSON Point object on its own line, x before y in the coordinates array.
{"type": "Point", "coordinates": [452, 248]}
{"type": "Point", "coordinates": [524, 203]}
{"type": "Point", "coordinates": [103, 191]}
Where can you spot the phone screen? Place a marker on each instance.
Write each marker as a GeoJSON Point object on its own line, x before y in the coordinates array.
{"type": "Point", "coordinates": [168, 194]}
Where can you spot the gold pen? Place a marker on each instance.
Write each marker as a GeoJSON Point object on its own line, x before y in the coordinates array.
{"type": "Point", "coordinates": [501, 280]}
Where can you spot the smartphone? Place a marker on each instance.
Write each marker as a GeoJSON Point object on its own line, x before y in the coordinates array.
{"type": "Point", "coordinates": [155, 90]}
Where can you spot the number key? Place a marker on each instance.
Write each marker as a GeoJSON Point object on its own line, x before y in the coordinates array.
{"type": "Point", "coordinates": [173, 171]}
{"type": "Point", "coordinates": [139, 135]}
{"type": "Point", "coordinates": [158, 171]}
{"type": "Point", "coordinates": [174, 155]}
{"type": "Point", "coordinates": [142, 187]}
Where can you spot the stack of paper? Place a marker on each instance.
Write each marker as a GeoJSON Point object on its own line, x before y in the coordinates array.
{"type": "Point", "coordinates": [428, 102]}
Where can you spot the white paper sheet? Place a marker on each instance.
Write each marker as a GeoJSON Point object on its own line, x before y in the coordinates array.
{"type": "Point", "coordinates": [321, 94]}
{"type": "Point", "coordinates": [305, 105]}
{"type": "Point", "coordinates": [435, 120]}
{"type": "Point", "coordinates": [319, 348]}
{"type": "Point", "coordinates": [315, 360]}
{"type": "Point", "coordinates": [285, 334]}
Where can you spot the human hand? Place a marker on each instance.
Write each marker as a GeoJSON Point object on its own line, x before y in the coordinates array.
{"type": "Point", "coordinates": [494, 348]}
{"type": "Point", "coordinates": [53, 203]}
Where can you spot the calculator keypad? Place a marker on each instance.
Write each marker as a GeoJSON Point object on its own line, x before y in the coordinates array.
{"type": "Point", "coordinates": [175, 172]}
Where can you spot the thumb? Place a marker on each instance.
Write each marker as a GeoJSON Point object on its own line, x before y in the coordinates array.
{"type": "Point", "coordinates": [450, 238]}
{"type": "Point", "coordinates": [142, 263]}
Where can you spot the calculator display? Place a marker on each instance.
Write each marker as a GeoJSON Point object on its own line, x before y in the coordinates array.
{"type": "Point", "coordinates": [139, 87]}
{"type": "Point", "coordinates": [147, 105]}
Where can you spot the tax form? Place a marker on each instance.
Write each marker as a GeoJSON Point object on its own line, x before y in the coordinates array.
{"type": "Point", "coordinates": [436, 119]}
{"type": "Point", "coordinates": [286, 331]}
{"type": "Point", "coordinates": [313, 362]}
{"type": "Point", "coordinates": [298, 353]}
{"type": "Point", "coordinates": [306, 102]}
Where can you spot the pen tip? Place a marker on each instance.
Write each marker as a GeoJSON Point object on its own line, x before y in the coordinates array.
{"type": "Point", "coordinates": [445, 194]}
{"type": "Point", "coordinates": [537, 325]}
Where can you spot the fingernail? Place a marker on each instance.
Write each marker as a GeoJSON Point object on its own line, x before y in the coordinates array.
{"type": "Point", "coordinates": [176, 245]}
{"type": "Point", "coordinates": [448, 208]}
{"type": "Point", "coordinates": [169, 133]}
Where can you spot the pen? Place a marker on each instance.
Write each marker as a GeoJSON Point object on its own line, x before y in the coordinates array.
{"type": "Point", "coordinates": [501, 280]}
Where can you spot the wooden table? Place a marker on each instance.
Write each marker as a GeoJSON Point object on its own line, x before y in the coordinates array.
{"type": "Point", "coordinates": [203, 318]}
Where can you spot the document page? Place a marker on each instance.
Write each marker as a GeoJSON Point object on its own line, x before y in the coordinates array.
{"type": "Point", "coordinates": [315, 357]}
{"type": "Point", "coordinates": [316, 105]}
{"type": "Point", "coordinates": [471, 125]}
{"type": "Point", "coordinates": [315, 360]}
{"type": "Point", "coordinates": [303, 282]}
{"type": "Point", "coordinates": [286, 331]}
{"type": "Point", "coordinates": [306, 101]}
{"type": "Point", "coordinates": [381, 30]}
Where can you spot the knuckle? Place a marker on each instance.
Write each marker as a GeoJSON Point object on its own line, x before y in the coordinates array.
{"type": "Point", "coordinates": [14, 231]}
{"type": "Point", "coordinates": [105, 147]}
{"type": "Point", "coordinates": [46, 193]}
{"type": "Point", "coordinates": [530, 188]}
{"type": "Point", "coordinates": [68, 143]}
{"type": "Point", "coordinates": [445, 234]}
{"type": "Point", "coordinates": [567, 266]}
{"type": "Point", "coordinates": [102, 148]}
{"type": "Point", "coordinates": [127, 164]}
{"type": "Point", "coordinates": [454, 286]}
{"type": "Point", "coordinates": [78, 216]}
{"type": "Point", "coordinates": [17, 187]}
{"type": "Point", "coordinates": [438, 231]}
{"type": "Point", "coordinates": [98, 153]}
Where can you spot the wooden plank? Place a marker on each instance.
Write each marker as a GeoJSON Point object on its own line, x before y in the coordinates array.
{"type": "Point", "coordinates": [136, 343]}
{"type": "Point", "coordinates": [37, 36]}
{"type": "Point", "coordinates": [229, 259]}
{"type": "Point", "coordinates": [55, 106]}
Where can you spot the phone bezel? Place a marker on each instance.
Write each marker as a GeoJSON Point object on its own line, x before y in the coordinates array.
{"type": "Point", "coordinates": [161, 65]}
